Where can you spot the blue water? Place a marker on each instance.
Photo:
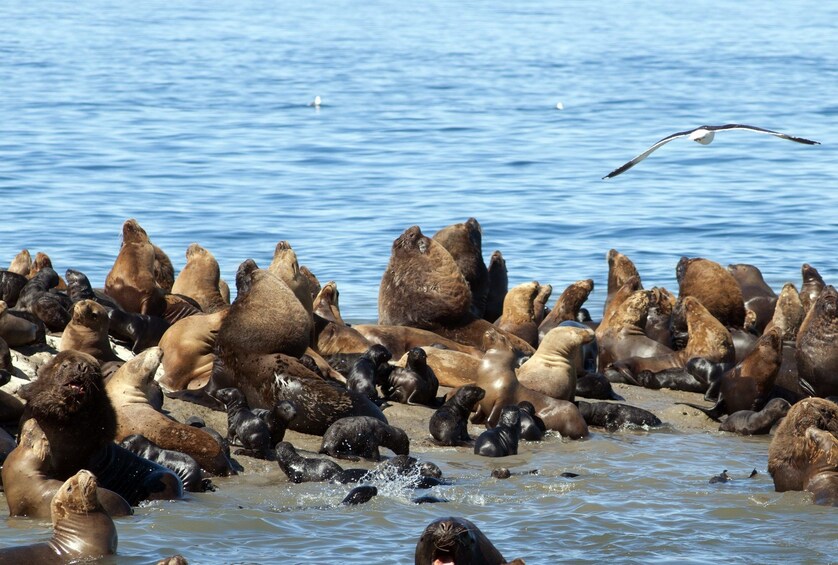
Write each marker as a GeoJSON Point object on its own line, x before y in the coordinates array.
{"type": "Point", "coordinates": [193, 118]}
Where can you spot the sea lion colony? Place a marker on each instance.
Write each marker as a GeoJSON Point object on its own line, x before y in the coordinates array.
{"type": "Point", "coordinates": [285, 354]}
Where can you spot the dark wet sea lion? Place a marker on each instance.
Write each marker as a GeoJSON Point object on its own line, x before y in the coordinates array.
{"type": "Point", "coordinates": [415, 383]}
{"type": "Point", "coordinates": [567, 306]}
{"type": "Point", "coordinates": [532, 427]}
{"type": "Point", "coordinates": [713, 286]}
{"type": "Point", "coordinates": [200, 280]}
{"type": "Point", "coordinates": [88, 332]}
{"type": "Point", "coordinates": [749, 422]}
{"type": "Point", "coordinates": [518, 317]}
{"type": "Point", "coordinates": [128, 390]}
{"type": "Point", "coordinates": [455, 540]}
{"type": "Point", "coordinates": [791, 453]}
{"type": "Point", "coordinates": [11, 284]}
{"type": "Point", "coordinates": [79, 288]}
{"type": "Point", "coordinates": [449, 424]}
{"type": "Point", "coordinates": [498, 287]}
{"type": "Point", "coordinates": [285, 266]}
{"type": "Point", "coordinates": [596, 386]}
{"type": "Point", "coordinates": [823, 480]}
{"type": "Point", "coordinates": [370, 369]}
{"type": "Point", "coordinates": [465, 244]}
{"type": "Point", "coordinates": [14, 330]}
{"type": "Point", "coordinates": [502, 440]}
{"type": "Point", "coordinates": [817, 355]}
{"type": "Point", "coordinates": [811, 287]}
{"type": "Point", "coordinates": [36, 298]}
{"type": "Point", "coordinates": [359, 495]}
{"type": "Point", "coordinates": [184, 466]}
{"type": "Point", "coordinates": [137, 331]}
{"type": "Point", "coordinates": [612, 416]}
{"type": "Point", "coordinates": [361, 436]}
{"type": "Point", "coordinates": [301, 469]}
{"type": "Point", "coordinates": [243, 426]}
{"type": "Point", "coordinates": [82, 528]}
{"type": "Point", "coordinates": [277, 419]}
{"type": "Point", "coordinates": [554, 366]}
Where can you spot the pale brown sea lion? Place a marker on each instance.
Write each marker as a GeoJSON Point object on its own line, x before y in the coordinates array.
{"type": "Point", "coordinates": [620, 270]}
{"type": "Point", "coordinates": [452, 368]}
{"type": "Point", "coordinates": [518, 316]}
{"type": "Point", "coordinates": [817, 354]}
{"type": "Point", "coordinates": [621, 336]}
{"type": "Point", "coordinates": [455, 540]}
{"type": "Point", "coordinates": [327, 303]}
{"type": "Point", "coordinates": [131, 281]}
{"type": "Point", "coordinates": [567, 305]}
{"type": "Point", "coordinates": [553, 368]}
{"type": "Point", "coordinates": [496, 375]}
{"type": "Point", "coordinates": [539, 305]}
{"type": "Point", "coordinates": [810, 289]}
{"type": "Point", "coordinates": [42, 261]}
{"type": "Point", "coordinates": [285, 266]}
{"type": "Point", "coordinates": [713, 286]}
{"type": "Point", "coordinates": [200, 279]}
{"type": "Point", "coordinates": [465, 244]}
{"type": "Point", "coordinates": [188, 347]}
{"type": "Point", "coordinates": [15, 330]}
{"type": "Point", "coordinates": [498, 286]}
{"type": "Point", "coordinates": [128, 391]}
{"type": "Point", "coordinates": [88, 332]}
{"type": "Point", "coordinates": [631, 286]}
{"type": "Point", "coordinates": [82, 528]}
{"type": "Point", "coordinates": [791, 453]}
{"type": "Point", "coordinates": [788, 313]}
{"type": "Point", "coordinates": [401, 339]}
{"type": "Point", "coordinates": [758, 296]}
{"type": "Point", "coordinates": [22, 263]}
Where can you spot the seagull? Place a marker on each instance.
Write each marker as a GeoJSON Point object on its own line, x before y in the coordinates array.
{"type": "Point", "coordinates": [315, 102]}
{"type": "Point", "coordinates": [703, 135]}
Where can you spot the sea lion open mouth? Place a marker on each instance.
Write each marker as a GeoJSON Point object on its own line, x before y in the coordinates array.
{"type": "Point", "coordinates": [442, 557]}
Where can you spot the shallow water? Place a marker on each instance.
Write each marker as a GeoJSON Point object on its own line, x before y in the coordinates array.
{"type": "Point", "coordinates": [193, 118]}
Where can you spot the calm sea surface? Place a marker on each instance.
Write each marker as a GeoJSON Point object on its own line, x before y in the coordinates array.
{"type": "Point", "coordinates": [193, 118]}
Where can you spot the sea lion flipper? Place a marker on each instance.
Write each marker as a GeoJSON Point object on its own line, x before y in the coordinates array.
{"type": "Point", "coordinates": [713, 413]}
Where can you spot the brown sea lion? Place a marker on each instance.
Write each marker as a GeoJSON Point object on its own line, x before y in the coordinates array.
{"type": "Point", "coordinates": [401, 339]}
{"type": "Point", "coordinates": [621, 336]}
{"type": "Point", "coordinates": [791, 453]}
{"type": "Point", "coordinates": [265, 318]}
{"type": "Point", "coordinates": [452, 368]}
{"type": "Point", "coordinates": [128, 391]}
{"type": "Point", "coordinates": [659, 317]}
{"type": "Point", "coordinates": [22, 263]}
{"type": "Point", "coordinates": [313, 283]}
{"type": "Point", "coordinates": [88, 332]}
{"type": "Point", "coordinates": [327, 303]}
{"type": "Point", "coordinates": [713, 286]}
{"type": "Point", "coordinates": [817, 354]}
{"type": "Point", "coordinates": [553, 368]}
{"type": "Point", "coordinates": [200, 280]}
{"type": "Point", "coordinates": [788, 313]}
{"type": "Point", "coordinates": [758, 296]}
{"type": "Point", "coordinates": [163, 270]}
{"type": "Point", "coordinates": [455, 540]}
{"type": "Point", "coordinates": [620, 270]}
{"type": "Point", "coordinates": [811, 288]}
{"type": "Point", "coordinates": [823, 480]}
{"type": "Point", "coordinates": [82, 528]}
{"type": "Point", "coordinates": [498, 285]}
{"type": "Point", "coordinates": [567, 306]}
{"type": "Point", "coordinates": [518, 317]}
{"type": "Point", "coordinates": [496, 375]}
{"type": "Point", "coordinates": [131, 281]}
{"type": "Point", "coordinates": [285, 266]}
{"type": "Point", "coordinates": [465, 244]}
{"type": "Point", "coordinates": [631, 286]}
{"type": "Point", "coordinates": [188, 347]}
{"type": "Point", "coordinates": [539, 305]}
{"type": "Point", "coordinates": [14, 330]}
{"type": "Point", "coordinates": [42, 261]}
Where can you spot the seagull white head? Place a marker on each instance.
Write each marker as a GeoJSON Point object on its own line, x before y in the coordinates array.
{"type": "Point", "coordinates": [702, 136]}
{"type": "Point", "coordinates": [316, 102]}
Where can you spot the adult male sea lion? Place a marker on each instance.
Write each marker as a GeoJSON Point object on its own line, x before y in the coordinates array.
{"type": "Point", "coordinates": [539, 305]}
{"type": "Point", "coordinates": [823, 473]}
{"type": "Point", "coordinates": [498, 286]}
{"type": "Point", "coordinates": [188, 347]}
{"type": "Point", "coordinates": [200, 280]}
{"type": "Point", "coordinates": [758, 296]}
{"type": "Point", "coordinates": [464, 242]}
{"type": "Point", "coordinates": [817, 354]}
{"type": "Point", "coordinates": [620, 270]}
{"type": "Point", "coordinates": [455, 540]}
{"type": "Point", "coordinates": [285, 266]}
{"type": "Point", "coordinates": [713, 286]}
{"type": "Point", "coordinates": [812, 286]}
{"type": "Point", "coordinates": [131, 281]}
{"type": "Point", "coordinates": [553, 368]}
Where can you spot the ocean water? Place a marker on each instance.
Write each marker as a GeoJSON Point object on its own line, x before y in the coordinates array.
{"type": "Point", "coordinates": [193, 118]}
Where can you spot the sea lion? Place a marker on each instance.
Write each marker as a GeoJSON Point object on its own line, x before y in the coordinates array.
{"type": "Point", "coordinates": [88, 332]}
{"type": "Point", "coordinates": [553, 368]}
{"type": "Point", "coordinates": [137, 331]}
{"type": "Point", "coordinates": [464, 242]}
{"type": "Point", "coordinates": [415, 383]}
{"type": "Point", "coordinates": [496, 375]}
{"type": "Point", "coordinates": [131, 281]}
{"type": "Point", "coordinates": [567, 306]}
{"type": "Point", "coordinates": [184, 466]}
{"type": "Point", "coordinates": [400, 339]}
{"type": "Point", "coordinates": [327, 303]}
{"type": "Point", "coordinates": [539, 305]}
{"type": "Point", "coordinates": [285, 266]}
{"type": "Point", "coordinates": [812, 286]}
{"type": "Point", "coordinates": [277, 419]}
{"type": "Point", "coordinates": [532, 427]}
{"type": "Point", "coordinates": [451, 368]}
{"type": "Point", "coordinates": [188, 347]}
{"type": "Point", "coordinates": [79, 288]}
{"type": "Point", "coordinates": [82, 528]}
{"type": "Point", "coordinates": [36, 298]}
{"type": "Point", "coordinates": [823, 479]}
{"type": "Point", "coordinates": [817, 356]}
{"type": "Point", "coordinates": [498, 286]}
{"type": "Point", "coordinates": [200, 280]}
{"type": "Point", "coordinates": [621, 336]}
{"type": "Point", "coordinates": [596, 386]}
{"type": "Point", "coordinates": [313, 283]}
{"type": "Point", "coordinates": [758, 296]}
{"type": "Point", "coordinates": [371, 368]}
{"type": "Point", "coordinates": [449, 424]}
{"type": "Point", "coordinates": [127, 389]}
{"type": "Point", "coordinates": [612, 416]}
{"type": "Point", "coordinates": [502, 440]}
{"type": "Point", "coordinates": [265, 318]}
{"type": "Point", "coordinates": [355, 436]}
{"type": "Point", "coordinates": [339, 345]}
{"type": "Point", "coordinates": [620, 270]}
{"type": "Point", "coordinates": [791, 453]}
{"type": "Point", "coordinates": [713, 286]}
{"type": "Point", "coordinates": [751, 423]}
{"type": "Point", "coordinates": [518, 315]}
{"type": "Point", "coordinates": [243, 426]}
{"type": "Point", "coordinates": [163, 270]}
{"type": "Point", "coordinates": [455, 540]}
{"type": "Point", "coordinates": [788, 313]}
{"type": "Point", "coordinates": [301, 469]}
{"type": "Point", "coordinates": [14, 330]}
{"type": "Point", "coordinates": [21, 263]}
{"type": "Point", "coordinates": [43, 261]}
{"type": "Point", "coordinates": [10, 286]}
{"type": "Point", "coordinates": [359, 495]}
{"type": "Point", "coordinates": [659, 317]}
{"type": "Point", "coordinates": [631, 286]}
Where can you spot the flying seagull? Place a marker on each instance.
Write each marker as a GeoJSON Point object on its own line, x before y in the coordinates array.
{"type": "Point", "coordinates": [703, 135]}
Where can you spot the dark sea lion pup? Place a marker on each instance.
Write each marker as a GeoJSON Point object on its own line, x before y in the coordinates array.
{"type": "Point", "coordinates": [365, 372]}
{"type": "Point", "coordinates": [181, 464]}
{"type": "Point", "coordinates": [449, 424]}
{"type": "Point", "coordinates": [301, 469]}
{"type": "Point", "coordinates": [532, 427]}
{"type": "Point", "coordinates": [612, 416]}
{"type": "Point", "coordinates": [82, 528]}
{"type": "Point", "coordinates": [361, 436]}
{"type": "Point", "coordinates": [751, 423]}
{"type": "Point", "coordinates": [415, 383]}
{"type": "Point", "coordinates": [359, 495]}
{"type": "Point", "coordinates": [455, 540]}
{"type": "Point", "coordinates": [502, 440]}
{"type": "Point", "coordinates": [277, 419]}
{"type": "Point", "coordinates": [243, 425]}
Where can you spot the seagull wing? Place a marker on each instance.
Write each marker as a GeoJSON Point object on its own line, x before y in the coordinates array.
{"type": "Point", "coordinates": [762, 130]}
{"type": "Point", "coordinates": [648, 152]}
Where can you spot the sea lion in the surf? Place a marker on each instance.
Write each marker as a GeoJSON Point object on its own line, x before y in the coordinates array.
{"type": "Point", "coordinates": [714, 286]}
{"type": "Point", "coordinates": [539, 305]}
{"type": "Point", "coordinates": [301, 469]}
{"type": "Point", "coordinates": [518, 317]}
{"type": "Point", "coordinates": [88, 332]}
{"type": "Point", "coordinates": [183, 465]}
{"type": "Point", "coordinates": [200, 280]}
{"type": "Point", "coordinates": [612, 416]}
{"type": "Point", "coordinates": [501, 440]}
{"type": "Point", "coordinates": [811, 287]}
{"type": "Point", "coordinates": [21, 263]}
{"type": "Point", "coordinates": [823, 479]}
{"type": "Point", "coordinates": [498, 287]}
{"type": "Point", "coordinates": [455, 540]}
{"type": "Point", "coordinates": [359, 495]}
{"type": "Point", "coordinates": [449, 424]}
{"type": "Point", "coordinates": [243, 426]}
{"type": "Point", "coordinates": [817, 355]}
{"type": "Point", "coordinates": [758, 296]}
{"type": "Point", "coordinates": [10, 286]}
{"type": "Point", "coordinates": [567, 306]}
{"type": "Point", "coordinates": [751, 423]}
{"type": "Point", "coordinates": [361, 436]}
{"type": "Point", "coordinates": [265, 318]}
{"type": "Point", "coordinates": [128, 391]}
{"type": "Point", "coordinates": [464, 242]}
{"type": "Point", "coordinates": [532, 427]}
{"type": "Point", "coordinates": [620, 270]}
{"type": "Point", "coordinates": [422, 287]}
{"type": "Point", "coordinates": [554, 366]}
{"type": "Point", "coordinates": [370, 369]}
{"type": "Point", "coordinates": [285, 266]}
{"type": "Point", "coordinates": [188, 347]}
{"type": "Point", "coordinates": [415, 383]}
{"type": "Point", "coordinates": [14, 330]}
{"type": "Point", "coordinates": [791, 452]}
{"type": "Point", "coordinates": [82, 528]}
{"type": "Point", "coordinates": [496, 375]}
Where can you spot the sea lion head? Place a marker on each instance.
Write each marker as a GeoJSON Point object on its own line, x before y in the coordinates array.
{"type": "Point", "coordinates": [825, 458]}
{"type": "Point", "coordinates": [194, 251]}
{"type": "Point", "coordinates": [827, 304]}
{"type": "Point", "coordinates": [133, 232]}
{"type": "Point", "coordinates": [448, 540]}
{"type": "Point", "coordinates": [76, 496]}
{"type": "Point", "coordinates": [510, 416]}
{"type": "Point", "coordinates": [139, 371]}
{"type": "Point", "coordinates": [470, 395]}
{"type": "Point", "coordinates": [417, 359]}
{"type": "Point", "coordinates": [68, 384]}
{"type": "Point", "coordinates": [244, 277]}
{"type": "Point", "coordinates": [90, 314]}
{"type": "Point", "coordinates": [412, 240]}
{"type": "Point", "coordinates": [493, 339]}
{"type": "Point", "coordinates": [379, 354]}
